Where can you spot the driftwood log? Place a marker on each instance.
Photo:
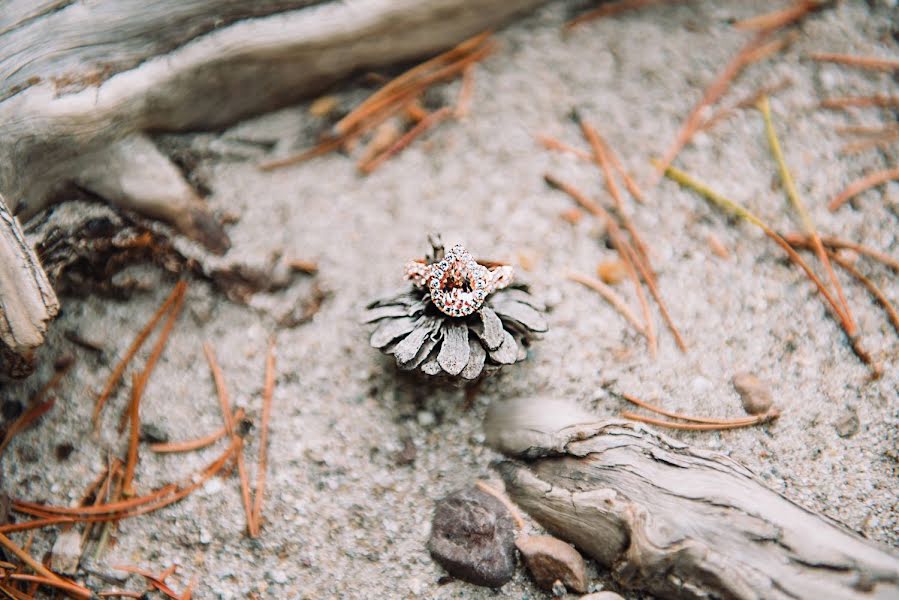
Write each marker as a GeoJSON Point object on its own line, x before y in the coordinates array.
{"type": "Point", "coordinates": [83, 83]}
{"type": "Point", "coordinates": [676, 521]}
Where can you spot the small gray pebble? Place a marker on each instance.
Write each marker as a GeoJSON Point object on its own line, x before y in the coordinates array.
{"type": "Point", "coordinates": [153, 434]}
{"type": "Point", "coordinates": [602, 596]}
{"type": "Point", "coordinates": [847, 425]}
{"type": "Point", "coordinates": [473, 538]}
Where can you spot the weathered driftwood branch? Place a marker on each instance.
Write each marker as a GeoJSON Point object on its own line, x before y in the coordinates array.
{"type": "Point", "coordinates": [672, 520]}
{"type": "Point", "coordinates": [81, 82]}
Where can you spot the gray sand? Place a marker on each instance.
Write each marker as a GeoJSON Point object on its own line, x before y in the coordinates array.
{"type": "Point", "coordinates": [341, 518]}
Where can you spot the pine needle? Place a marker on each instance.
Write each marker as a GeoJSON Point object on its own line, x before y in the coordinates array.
{"type": "Point", "coordinates": [862, 185]}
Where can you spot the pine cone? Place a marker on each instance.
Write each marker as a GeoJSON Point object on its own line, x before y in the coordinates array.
{"type": "Point", "coordinates": [425, 340]}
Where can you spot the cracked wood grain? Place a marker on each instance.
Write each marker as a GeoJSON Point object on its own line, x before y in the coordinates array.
{"type": "Point", "coordinates": [673, 520]}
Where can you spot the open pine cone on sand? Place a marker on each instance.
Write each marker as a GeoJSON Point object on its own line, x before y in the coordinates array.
{"type": "Point", "coordinates": [429, 341]}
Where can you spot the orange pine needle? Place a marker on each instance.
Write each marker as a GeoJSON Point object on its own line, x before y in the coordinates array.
{"type": "Point", "coordinates": [34, 524]}
{"type": "Point", "coordinates": [735, 424]}
{"type": "Point", "coordinates": [304, 266]}
{"type": "Point", "coordinates": [70, 588]}
{"type": "Point", "coordinates": [712, 94]}
{"type": "Point", "coordinates": [611, 296]}
{"type": "Point", "coordinates": [861, 185]}
{"type": "Point", "coordinates": [872, 287]}
{"type": "Point", "coordinates": [878, 101]}
{"type": "Point", "coordinates": [134, 438]}
{"type": "Point", "coordinates": [551, 143]}
{"type": "Point", "coordinates": [604, 163]}
{"type": "Point", "coordinates": [796, 238]}
{"type": "Point", "coordinates": [26, 558]}
{"type": "Point", "coordinates": [224, 401]}
{"type": "Point", "coordinates": [608, 9]}
{"type": "Point", "coordinates": [778, 18]}
{"type": "Point", "coordinates": [676, 415]}
{"type": "Point", "coordinates": [747, 102]}
{"type": "Point", "coordinates": [267, 393]}
{"type": "Point", "coordinates": [407, 138]}
{"type": "Point", "coordinates": [466, 93]}
{"type": "Point", "coordinates": [197, 443]}
{"type": "Point", "coordinates": [142, 336]}
{"type": "Point", "coordinates": [323, 147]}
{"type": "Point", "coordinates": [627, 254]}
{"type": "Point", "coordinates": [864, 62]}
{"type": "Point", "coordinates": [25, 420]}
{"type": "Point", "coordinates": [513, 510]}
{"type": "Point", "coordinates": [158, 349]}
{"type": "Point", "coordinates": [412, 78]}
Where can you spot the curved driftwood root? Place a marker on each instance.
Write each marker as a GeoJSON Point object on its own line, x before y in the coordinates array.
{"type": "Point", "coordinates": [81, 83]}
{"type": "Point", "coordinates": [676, 521]}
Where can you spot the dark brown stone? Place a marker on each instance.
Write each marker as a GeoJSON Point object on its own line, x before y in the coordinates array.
{"type": "Point", "coordinates": [473, 538]}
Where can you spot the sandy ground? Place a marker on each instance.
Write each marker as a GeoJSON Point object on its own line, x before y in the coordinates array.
{"type": "Point", "coordinates": [342, 518]}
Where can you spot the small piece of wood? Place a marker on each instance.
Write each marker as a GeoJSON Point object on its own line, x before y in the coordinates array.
{"type": "Point", "coordinates": [676, 521]}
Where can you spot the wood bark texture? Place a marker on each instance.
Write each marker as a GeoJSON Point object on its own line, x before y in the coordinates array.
{"type": "Point", "coordinates": [676, 521]}
{"type": "Point", "coordinates": [81, 83]}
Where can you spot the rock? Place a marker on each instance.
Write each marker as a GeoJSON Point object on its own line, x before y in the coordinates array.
{"type": "Point", "coordinates": [153, 434]}
{"type": "Point", "coordinates": [754, 392]}
{"type": "Point", "coordinates": [472, 537]}
{"type": "Point", "coordinates": [602, 596]}
{"type": "Point", "coordinates": [558, 589]}
{"type": "Point", "coordinates": [66, 552]}
{"type": "Point", "coordinates": [847, 425]}
{"type": "Point", "coordinates": [550, 559]}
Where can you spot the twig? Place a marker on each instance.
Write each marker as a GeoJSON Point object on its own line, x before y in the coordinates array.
{"type": "Point", "coordinates": [513, 510]}
{"type": "Point", "coordinates": [778, 18]}
{"type": "Point", "coordinates": [861, 185]}
{"type": "Point", "coordinates": [807, 222]}
{"type": "Point", "coordinates": [267, 393]}
{"type": "Point", "coordinates": [735, 424]}
{"type": "Point", "coordinates": [621, 246]}
{"type": "Point", "coordinates": [156, 353]}
{"type": "Point", "coordinates": [466, 93]}
{"type": "Point", "coordinates": [407, 138]}
{"type": "Point", "coordinates": [611, 296]}
{"type": "Point", "coordinates": [142, 336]}
{"type": "Point", "coordinates": [687, 181]}
{"type": "Point", "coordinates": [864, 62]}
{"type": "Point", "coordinates": [608, 9]}
{"type": "Point", "coordinates": [861, 102]}
{"type": "Point", "coordinates": [799, 239]}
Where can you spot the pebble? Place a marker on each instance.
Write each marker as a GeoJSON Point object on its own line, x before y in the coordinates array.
{"type": "Point", "coordinates": [755, 393]}
{"type": "Point", "coordinates": [66, 552]}
{"type": "Point", "coordinates": [602, 596]}
{"type": "Point", "coordinates": [550, 559]}
{"type": "Point", "coordinates": [473, 538]}
{"type": "Point", "coordinates": [426, 418]}
{"type": "Point", "coordinates": [153, 434]}
{"type": "Point", "coordinates": [847, 425]}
